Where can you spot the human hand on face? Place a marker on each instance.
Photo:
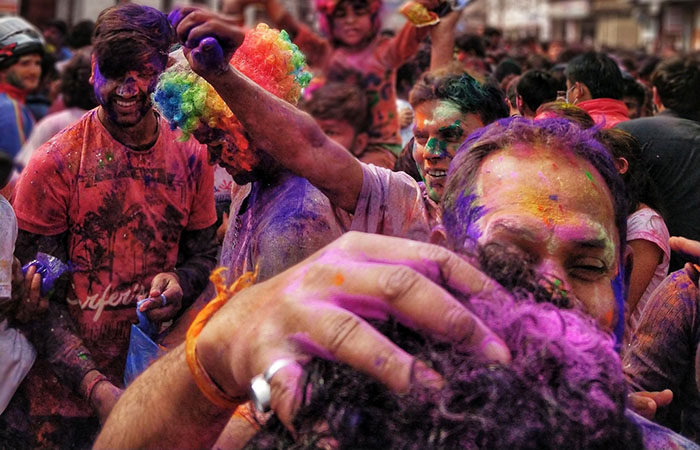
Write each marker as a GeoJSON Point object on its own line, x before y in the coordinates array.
{"type": "Point", "coordinates": [646, 403]}
{"type": "Point", "coordinates": [164, 299]}
{"type": "Point", "coordinates": [26, 293]}
{"type": "Point", "coordinates": [690, 250]}
{"type": "Point", "coordinates": [209, 39]}
{"type": "Point", "coordinates": [318, 307]}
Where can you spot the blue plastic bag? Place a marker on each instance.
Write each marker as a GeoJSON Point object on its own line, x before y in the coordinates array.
{"type": "Point", "coordinates": [142, 348]}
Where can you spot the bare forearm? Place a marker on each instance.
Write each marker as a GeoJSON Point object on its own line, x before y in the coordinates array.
{"type": "Point", "coordinates": [177, 415]}
{"type": "Point", "coordinates": [293, 138]}
{"type": "Point", "coordinates": [442, 38]}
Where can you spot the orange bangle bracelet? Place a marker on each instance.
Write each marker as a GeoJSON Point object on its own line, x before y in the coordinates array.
{"type": "Point", "coordinates": [206, 385]}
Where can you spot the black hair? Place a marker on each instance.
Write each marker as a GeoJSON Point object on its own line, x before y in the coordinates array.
{"type": "Point", "coordinates": [564, 387]}
{"type": "Point", "coordinates": [406, 163]}
{"type": "Point", "coordinates": [536, 87]}
{"type": "Point", "coordinates": [58, 24]}
{"type": "Point", "coordinates": [340, 101]}
{"type": "Point", "coordinates": [129, 35]}
{"type": "Point", "coordinates": [460, 88]}
{"type": "Point", "coordinates": [677, 82]}
{"type": "Point", "coordinates": [507, 67]}
{"type": "Point", "coordinates": [639, 186]}
{"type": "Point", "coordinates": [81, 34]}
{"type": "Point", "coordinates": [471, 43]}
{"type": "Point", "coordinates": [75, 82]}
{"type": "Point", "coordinates": [598, 72]}
{"type": "Point", "coordinates": [634, 89]}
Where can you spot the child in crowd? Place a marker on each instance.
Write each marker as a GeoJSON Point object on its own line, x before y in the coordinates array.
{"type": "Point", "coordinates": [647, 233]}
{"type": "Point", "coordinates": [355, 52]}
{"type": "Point", "coordinates": [341, 111]}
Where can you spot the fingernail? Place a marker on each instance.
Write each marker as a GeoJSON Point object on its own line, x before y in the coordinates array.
{"type": "Point", "coordinates": [495, 350]}
{"type": "Point", "coordinates": [426, 376]}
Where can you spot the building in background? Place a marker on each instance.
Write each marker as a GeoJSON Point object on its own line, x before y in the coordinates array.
{"type": "Point", "coordinates": [653, 25]}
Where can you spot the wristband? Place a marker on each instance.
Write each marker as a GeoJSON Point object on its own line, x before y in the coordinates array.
{"type": "Point", "coordinates": [206, 385]}
{"type": "Point", "coordinates": [91, 387]}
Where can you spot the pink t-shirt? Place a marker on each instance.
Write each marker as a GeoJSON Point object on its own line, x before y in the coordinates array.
{"type": "Point", "coordinates": [647, 224]}
{"type": "Point", "coordinates": [124, 212]}
{"type": "Point", "coordinates": [392, 203]}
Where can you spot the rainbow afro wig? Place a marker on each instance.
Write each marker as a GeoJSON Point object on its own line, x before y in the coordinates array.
{"type": "Point", "coordinates": [267, 56]}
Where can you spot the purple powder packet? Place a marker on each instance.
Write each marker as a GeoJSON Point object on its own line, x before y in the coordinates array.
{"type": "Point", "coordinates": [49, 267]}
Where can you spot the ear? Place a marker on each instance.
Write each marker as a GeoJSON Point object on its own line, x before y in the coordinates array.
{"type": "Point", "coordinates": [438, 235]}
{"type": "Point", "coordinates": [622, 165]}
{"type": "Point", "coordinates": [360, 144]}
{"type": "Point", "coordinates": [519, 104]}
{"type": "Point", "coordinates": [582, 92]}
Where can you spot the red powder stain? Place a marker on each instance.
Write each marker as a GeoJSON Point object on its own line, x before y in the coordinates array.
{"type": "Point", "coordinates": [338, 279]}
{"type": "Point", "coordinates": [548, 222]}
{"type": "Point", "coordinates": [561, 209]}
{"type": "Point", "coordinates": [540, 208]}
{"type": "Point", "coordinates": [608, 317]}
{"type": "Point", "coordinates": [554, 166]}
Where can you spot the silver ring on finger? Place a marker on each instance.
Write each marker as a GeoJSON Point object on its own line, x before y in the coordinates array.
{"type": "Point", "coordinates": [260, 391]}
{"type": "Point", "coordinates": [163, 300]}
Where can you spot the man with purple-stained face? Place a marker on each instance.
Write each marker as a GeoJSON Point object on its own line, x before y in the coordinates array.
{"type": "Point", "coordinates": [131, 208]}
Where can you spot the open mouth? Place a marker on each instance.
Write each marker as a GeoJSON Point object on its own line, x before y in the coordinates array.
{"type": "Point", "coordinates": [126, 104]}
{"type": "Point", "coordinates": [436, 173]}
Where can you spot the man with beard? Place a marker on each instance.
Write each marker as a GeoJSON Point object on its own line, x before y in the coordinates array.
{"type": "Point", "coordinates": [132, 209]}
{"type": "Point", "coordinates": [449, 105]}
{"type": "Point", "coordinates": [562, 212]}
{"type": "Point", "coordinates": [21, 50]}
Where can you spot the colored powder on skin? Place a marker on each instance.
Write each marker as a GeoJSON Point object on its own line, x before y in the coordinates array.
{"type": "Point", "coordinates": [339, 279]}
{"type": "Point", "coordinates": [470, 212]}
{"type": "Point", "coordinates": [455, 127]}
{"type": "Point", "coordinates": [589, 176]}
{"type": "Point", "coordinates": [267, 57]}
{"type": "Point", "coordinates": [444, 110]}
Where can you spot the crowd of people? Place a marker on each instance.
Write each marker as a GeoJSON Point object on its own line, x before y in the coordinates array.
{"type": "Point", "coordinates": [343, 236]}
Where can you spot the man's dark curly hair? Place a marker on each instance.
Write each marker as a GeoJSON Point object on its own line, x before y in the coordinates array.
{"type": "Point", "coordinates": [128, 36]}
{"type": "Point", "coordinates": [564, 387]}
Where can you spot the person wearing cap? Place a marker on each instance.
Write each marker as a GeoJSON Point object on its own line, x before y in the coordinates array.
{"type": "Point", "coordinates": [21, 52]}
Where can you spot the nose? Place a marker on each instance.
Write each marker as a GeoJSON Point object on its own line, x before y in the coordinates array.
{"type": "Point", "coordinates": [128, 87]}
{"type": "Point", "coordinates": [554, 272]}
{"type": "Point", "coordinates": [350, 16]}
{"type": "Point", "coordinates": [434, 148]}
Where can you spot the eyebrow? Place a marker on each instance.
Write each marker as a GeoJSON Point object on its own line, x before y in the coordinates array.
{"type": "Point", "coordinates": [512, 227]}
{"type": "Point", "coordinates": [509, 226]}
{"type": "Point", "coordinates": [455, 126]}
